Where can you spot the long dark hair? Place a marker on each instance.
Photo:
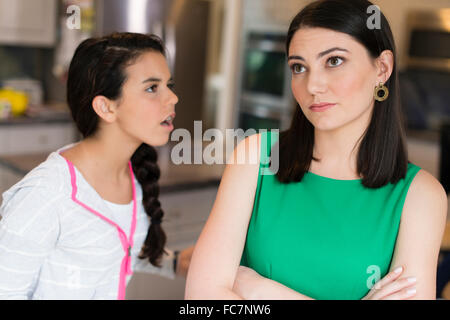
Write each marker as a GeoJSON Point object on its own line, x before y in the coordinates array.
{"type": "Point", "coordinates": [382, 156]}
{"type": "Point", "coordinates": [98, 68]}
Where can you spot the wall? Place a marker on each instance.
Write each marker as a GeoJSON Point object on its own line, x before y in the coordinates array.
{"type": "Point", "coordinates": [397, 11]}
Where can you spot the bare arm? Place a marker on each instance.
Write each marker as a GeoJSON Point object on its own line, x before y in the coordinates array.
{"type": "Point", "coordinates": [218, 251]}
{"type": "Point", "coordinates": [252, 286]}
{"type": "Point", "coordinates": [421, 231]}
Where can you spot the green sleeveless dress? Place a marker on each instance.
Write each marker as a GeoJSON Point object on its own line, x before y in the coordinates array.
{"type": "Point", "coordinates": [324, 238]}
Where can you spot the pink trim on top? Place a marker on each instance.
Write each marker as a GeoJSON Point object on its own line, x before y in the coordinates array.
{"type": "Point", "coordinates": [125, 267]}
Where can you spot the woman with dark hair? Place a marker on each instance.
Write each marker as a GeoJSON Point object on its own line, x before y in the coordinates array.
{"type": "Point", "coordinates": [79, 224]}
{"type": "Point", "coordinates": [345, 208]}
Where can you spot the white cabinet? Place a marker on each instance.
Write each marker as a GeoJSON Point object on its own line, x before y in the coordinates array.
{"type": "Point", "coordinates": [28, 22]}
{"type": "Point", "coordinates": [16, 140]}
{"type": "Point", "coordinates": [35, 138]}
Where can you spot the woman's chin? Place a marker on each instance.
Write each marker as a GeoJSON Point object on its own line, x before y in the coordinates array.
{"type": "Point", "coordinates": [323, 124]}
{"type": "Point", "coordinates": [157, 141]}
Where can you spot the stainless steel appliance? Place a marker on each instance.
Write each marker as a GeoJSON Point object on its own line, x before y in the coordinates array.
{"type": "Point", "coordinates": [265, 99]}
{"type": "Point", "coordinates": [183, 25]}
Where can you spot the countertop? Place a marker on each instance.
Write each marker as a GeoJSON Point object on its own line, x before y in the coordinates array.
{"type": "Point", "coordinates": [173, 178]}
{"type": "Point", "coordinates": [42, 114]}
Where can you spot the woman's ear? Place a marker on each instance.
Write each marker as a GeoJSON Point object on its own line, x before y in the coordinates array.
{"type": "Point", "coordinates": [104, 108]}
{"type": "Point", "coordinates": [385, 65]}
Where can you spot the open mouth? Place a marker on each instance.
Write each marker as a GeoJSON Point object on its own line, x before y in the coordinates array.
{"type": "Point", "coordinates": [168, 121]}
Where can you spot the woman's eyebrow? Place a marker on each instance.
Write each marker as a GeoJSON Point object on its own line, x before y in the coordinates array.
{"type": "Point", "coordinates": [320, 55]}
{"type": "Point", "coordinates": [152, 79]}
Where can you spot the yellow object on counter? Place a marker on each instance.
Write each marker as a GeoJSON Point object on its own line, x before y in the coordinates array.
{"type": "Point", "coordinates": [17, 100]}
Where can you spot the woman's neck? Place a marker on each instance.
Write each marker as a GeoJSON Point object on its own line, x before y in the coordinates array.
{"type": "Point", "coordinates": [338, 149]}
{"type": "Point", "coordinates": [103, 160]}
{"type": "Point", "coordinates": [103, 157]}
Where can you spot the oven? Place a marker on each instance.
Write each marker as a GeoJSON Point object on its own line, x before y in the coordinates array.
{"type": "Point", "coordinates": [264, 98]}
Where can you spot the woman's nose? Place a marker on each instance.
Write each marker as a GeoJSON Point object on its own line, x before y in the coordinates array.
{"type": "Point", "coordinates": [316, 82]}
{"type": "Point", "coordinates": [172, 98]}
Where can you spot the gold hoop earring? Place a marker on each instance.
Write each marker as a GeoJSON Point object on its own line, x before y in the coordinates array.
{"type": "Point", "coordinates": [381, 92]}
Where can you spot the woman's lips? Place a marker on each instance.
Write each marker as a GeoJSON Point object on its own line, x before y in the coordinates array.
{"type": "Point", "coordinates": [321, 106]}
{"type": "Point", "coordinates": [168, 125]}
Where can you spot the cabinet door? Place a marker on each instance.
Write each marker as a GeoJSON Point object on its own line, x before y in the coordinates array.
{"type": "Point", "coordinates": [35, 138]}
{"type": "Point", "coordinates": [28, 22]}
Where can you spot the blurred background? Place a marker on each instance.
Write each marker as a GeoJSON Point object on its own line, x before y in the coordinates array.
{"type": "Point", "coordinates": [227, 58]}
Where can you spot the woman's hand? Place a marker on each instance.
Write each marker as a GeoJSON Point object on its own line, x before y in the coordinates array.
{"type": "Point", "coordinates": [247, 283]}
{"type": "Point", "coordinates": [392, 287]}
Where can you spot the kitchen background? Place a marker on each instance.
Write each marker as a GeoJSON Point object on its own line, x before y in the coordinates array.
{"type": "Point", "coordinates": [228, 62]}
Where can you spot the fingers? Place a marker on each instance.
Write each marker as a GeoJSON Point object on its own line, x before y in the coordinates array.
{"type": "Point", "coordinates": [399, 285]}
{"type": "Point", "coordinates": [392, 287]}
{"type": "Point", "coordinates": [402, 294]}
{"type": "Point", "coordinates": [390, 277]}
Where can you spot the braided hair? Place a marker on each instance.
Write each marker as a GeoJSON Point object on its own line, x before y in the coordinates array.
{"type": "Point", "coordinates": [100, 63]}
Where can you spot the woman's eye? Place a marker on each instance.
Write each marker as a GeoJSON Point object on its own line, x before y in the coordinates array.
{"type": "Point", "coordinates": [297, 68]}
{"type": "Point", "coordinates": [335, 61]}
{"type": "Point", "coordinates": [152, 88]}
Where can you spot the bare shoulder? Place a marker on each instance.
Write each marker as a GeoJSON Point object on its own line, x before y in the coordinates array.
{"type": "Point", "coordinates": [243, 163]}
{"type": "Point", "coordinates": [427, 188]}
{"type": "Point", "coordinates": [247, 151]}
{"type": "Point", "coordinates": [427, 195]}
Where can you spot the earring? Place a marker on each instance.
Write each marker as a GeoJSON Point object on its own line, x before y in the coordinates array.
{"type": "Point", "coordinates": [381, 92]}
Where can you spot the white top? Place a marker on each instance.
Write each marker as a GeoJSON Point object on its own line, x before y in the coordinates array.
{"type": "Point", "coordinates": [53, 248]}
{"type": "Point", "coordinates": [121, 214]}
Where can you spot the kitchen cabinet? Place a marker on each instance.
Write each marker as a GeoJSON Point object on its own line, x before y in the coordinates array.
{"type": "Point", "coordinates": [35, 137]}
{"type": "Point", "coordinates": [185, 214]}
{"type": "Point", "coordinates": [25, 22]}
{"type": "Point", "coordinates": [41, 138]}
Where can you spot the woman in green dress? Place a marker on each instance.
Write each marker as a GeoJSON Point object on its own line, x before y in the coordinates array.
{"type": "Point", "coordinates": [345, 208]}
